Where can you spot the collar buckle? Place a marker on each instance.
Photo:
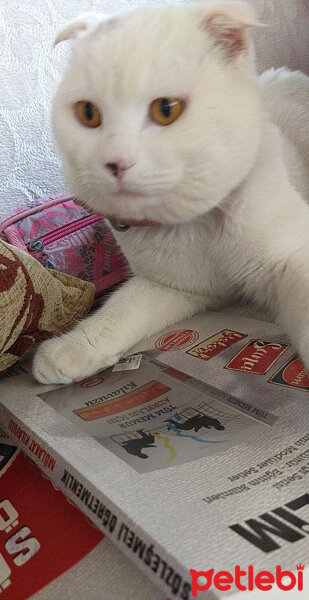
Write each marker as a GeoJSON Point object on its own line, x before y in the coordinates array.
{"type": "Point", "coordinates": [116, 225]}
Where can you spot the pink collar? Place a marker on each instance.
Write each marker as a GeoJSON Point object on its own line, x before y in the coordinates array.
{"type": "Point", "coordinates": [124, 225]}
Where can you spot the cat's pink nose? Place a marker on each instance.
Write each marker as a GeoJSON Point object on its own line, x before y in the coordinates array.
{"type": "Point", "coordinates": [118, 169]}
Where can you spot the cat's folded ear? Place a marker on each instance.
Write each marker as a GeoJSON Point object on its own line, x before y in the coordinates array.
{"type": "Point", "coordinates": [79, 25]}
{"type": "Point", "coordinates": [227, 22]}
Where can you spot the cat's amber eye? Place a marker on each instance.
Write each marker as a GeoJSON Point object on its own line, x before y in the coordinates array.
{"type": "Point", "coordinates": [87, 114]}
{"type": "Point", "coordinates": [165, 111]}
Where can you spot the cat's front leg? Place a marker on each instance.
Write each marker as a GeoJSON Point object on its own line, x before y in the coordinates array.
{"type": "Point", "coordinates": [279, 277]}
{"type": "Point", "coordinates": [271, 226]}
{"type": "Point", "coordinates": [137, 310]}
{"type": "Point", "coordinates": [293, 300]}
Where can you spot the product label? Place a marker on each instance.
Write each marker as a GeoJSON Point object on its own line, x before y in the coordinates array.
{"type": "Point", "coordinates": [128, 363]}
{"type": "Point", "coordinates": [176, 340]}
{"type": "Point", "coordinates": [216, 343]}
{"type": "Point", "coordinates": [257, 357]}
{"type": "Point", "coordinates": [292, 374]}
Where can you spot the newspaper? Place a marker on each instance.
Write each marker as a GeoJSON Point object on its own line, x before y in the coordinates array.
{"type": "Point", "coordinates": [192, 457]}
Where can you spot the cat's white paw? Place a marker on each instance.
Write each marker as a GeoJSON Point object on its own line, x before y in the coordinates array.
{"type": "Point", "coordinates": [68, 358]}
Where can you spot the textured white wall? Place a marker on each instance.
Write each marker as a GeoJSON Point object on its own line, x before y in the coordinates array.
{"type": "Point", "coordinates": [29, 70]}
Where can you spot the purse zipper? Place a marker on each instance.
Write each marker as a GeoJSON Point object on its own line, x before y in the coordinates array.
{"type": "Point", "coordinates": [39, 244]}
{"type": "Point", "coordinates": [31, 211]}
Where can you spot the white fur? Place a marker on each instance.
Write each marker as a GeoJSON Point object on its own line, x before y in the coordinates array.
{"type": "Point", "coordinates": [228, 180]}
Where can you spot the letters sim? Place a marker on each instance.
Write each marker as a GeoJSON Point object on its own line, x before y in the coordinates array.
{"type": "Point", "coordinates": [263, 531]}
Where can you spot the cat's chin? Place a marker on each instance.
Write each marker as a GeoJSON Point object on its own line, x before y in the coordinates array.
{"type": "Point", "coordinates": [130, 196]}
{"type": "Point", "coordinates": [132, 205]}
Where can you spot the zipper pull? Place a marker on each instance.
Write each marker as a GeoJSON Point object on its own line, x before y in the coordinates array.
{"type": "Point", "coordinates": [49, 263]}
{"type": "Point", "coordinates": [36, 245]}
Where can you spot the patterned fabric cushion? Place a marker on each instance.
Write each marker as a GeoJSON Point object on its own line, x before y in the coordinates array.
{"type": "Point", "coordinates": [35, 303]}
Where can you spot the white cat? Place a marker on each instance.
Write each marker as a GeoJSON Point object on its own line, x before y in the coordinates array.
{"type": "Point", "coordinates": [160, 116]}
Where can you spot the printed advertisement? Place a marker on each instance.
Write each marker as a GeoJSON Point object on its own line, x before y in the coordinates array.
{"type": "Point", "coordinates": [36, 520]}
{"type": "Point", "coordinates": [156, 416]}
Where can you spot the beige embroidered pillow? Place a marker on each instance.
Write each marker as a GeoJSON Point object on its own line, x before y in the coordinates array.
{"type": "Point", "coordinates": [35, 303]}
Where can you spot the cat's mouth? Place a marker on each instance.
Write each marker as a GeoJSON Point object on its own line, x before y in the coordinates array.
{"type": "Point", "coordinates": [124, 194]}
{"type": "Point", "coordinates": [134, 205]}
{"type": "Point", "coordinates": [129, 194]}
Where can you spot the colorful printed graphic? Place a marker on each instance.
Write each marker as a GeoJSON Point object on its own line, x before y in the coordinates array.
{"type": "Point", "coordinates": [194, 437]}
{"type": "Point", "coordinates": [42, 534]}
{"type": "Point", "coordinates": [176, 340]}
{"type": "Point", "coordinates": [292, 374]}
{"type": "Point", "coordinates": [189, 419]}
{"type": "Point", "coordinates": [157, 416]}
{"type": "Point", "coordinates": [139, 396]}
{"type": "Point", "coordinates": [192, 419]}
{"type": "Point", "coordinates": [167, 444]}
{"type": "Point", "coordinates": [177, 374]}
{"type": "Point", "coordinates": [257, 357]}
{"type": "Point", "coordinates": [216, 343]}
